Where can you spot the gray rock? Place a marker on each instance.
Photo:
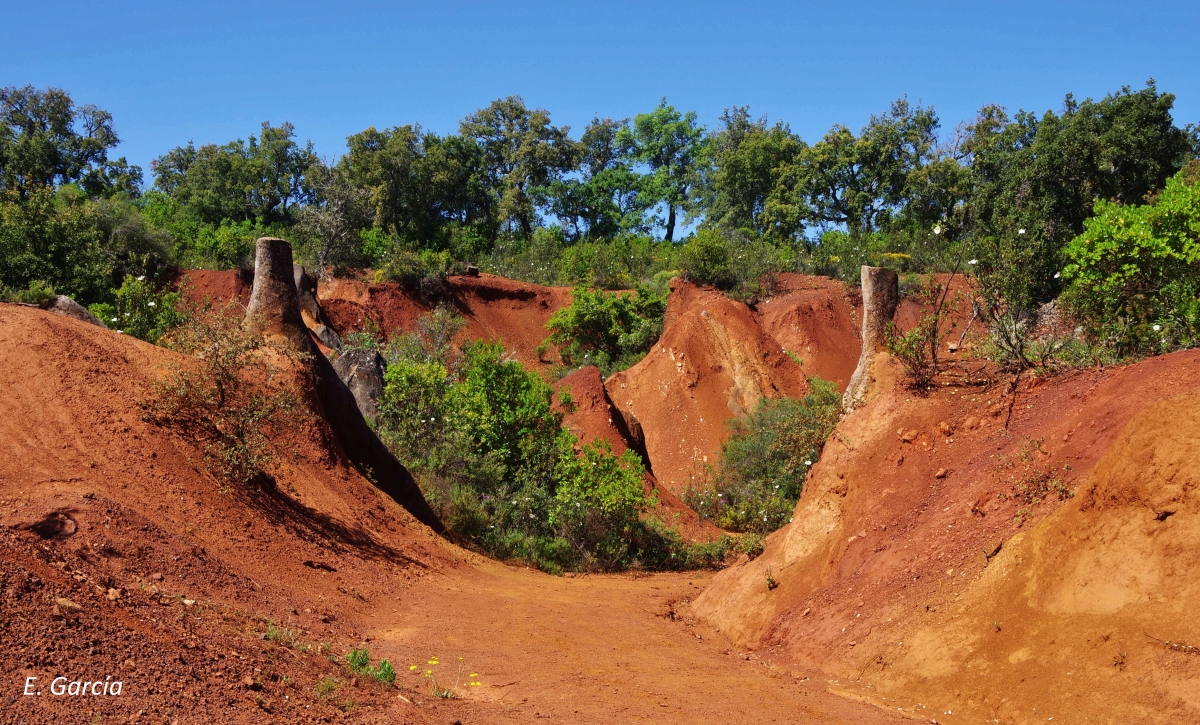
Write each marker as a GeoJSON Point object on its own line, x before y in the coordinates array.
{"type": "Point", "coordinates": [64, 305]}
{"type": "Point", "coordinates": [328, 337]}
{"type": "Point", "coordinates": [362, 371]}
{"type": "Point", "coordinates": [310, 309]}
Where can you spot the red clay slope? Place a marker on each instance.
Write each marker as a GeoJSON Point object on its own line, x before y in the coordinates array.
{"type": "Point", "coordinates": [819, 320]}
{"type": "Point", "coordinates": [128, 530]}
{"type": "Point", "coordinates": [918, 574]}
{"type": "Point", "coordinates": [594, 416]}
{"type": "Point", "coordinates": [121, 558]}
{"type": "Point", "coordinates": [495, 308]}
{"type": "Point", "coordinates": [713, 362]}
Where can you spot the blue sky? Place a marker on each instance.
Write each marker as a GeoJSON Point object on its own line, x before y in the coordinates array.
{"type": "Point", "coordinates": [213, 72]}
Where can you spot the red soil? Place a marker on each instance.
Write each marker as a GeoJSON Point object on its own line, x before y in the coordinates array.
{"type": "Point", "coordinates": [218, 286]}
{"type": "Point", "coordinates": [495, 308]}
{"type": "Point", "coordinates": [171, 582]}
{"type": "Point", "coordinates": [819, 320]}
{"type": "Point", "coordinates": [713, 362]}
{"type": "Point", "coordinates": [594, 416]}
{"type": "Point", "coordinates": [885, 578]}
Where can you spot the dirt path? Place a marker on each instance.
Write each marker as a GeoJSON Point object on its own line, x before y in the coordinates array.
{"type": "Point", "coordinates": [595, 649]}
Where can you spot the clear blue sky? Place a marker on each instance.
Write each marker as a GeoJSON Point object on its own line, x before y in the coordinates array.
{"type": "Point", "coordinates": [213, 71]}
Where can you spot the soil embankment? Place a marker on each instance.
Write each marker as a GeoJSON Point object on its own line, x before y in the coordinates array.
{"type": "Point", "coordinates": [494, 308]}
{"type": "Point", "coordinates": [712, 363]}
{"type": "Point", "coordinates": [945, 563]}
{"type": "Point", "coordinates": [123, 558]}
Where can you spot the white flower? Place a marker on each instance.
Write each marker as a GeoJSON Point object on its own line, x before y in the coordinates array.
{"type": "Point", "coordinates": [808, 463]}
{"type": "Point", "coordinates": [937, 229]}
{"type": "Point", "coordinates": [114, 319]}
{"type": "Point", "coordinates": [1157, 328]}
{"type": "Point", "coordinates": [149, 304]}
{"type": "Point", "coordinates": [1020, 231]}
{"type": "Point", "coordinates": [973, 261]}
{"type": "Point", "coordinates": [141, 278]}
{"type": "Point", "coordinates": [1057, 275]}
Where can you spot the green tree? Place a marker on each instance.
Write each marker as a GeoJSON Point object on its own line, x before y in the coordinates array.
{"type": "Point", "coordinates": [610, 198]}
{"type": "Point", "coordinates": [263, 178]}
{"type": "Point", "coordinates": [672, 145]}
{"type": "Point", "coordinates": [422, 185]}
{"type": "Point", "coordinates": [749, 166]}
{"type": "Point", "coordinates": [1035, 180]}
{"type": "Point", "coordinates": [46, 142]}
{"type": "Point", "coordinates": [523, 154]}
{"type": "Point", "coordinates": [863, 181]}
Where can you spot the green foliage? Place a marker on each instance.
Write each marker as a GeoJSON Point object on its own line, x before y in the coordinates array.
{"type": "Point", "coordinates": [490, 452]}
{"type": "Point", "coordinates": [609, 330]}
{"type": "Point", "coordinates": [522, 154]}
{"type": "Point", "coordinates": [745, 267]}
{"type": "Point", "coordinates": [1134, 273]}
{"type": "Point", "coordinates": [598, 503]}
{"type": "Point", "coordinates": [139, 310]}
{"type": "Point", "coordinates": [37, 293]}
{"type": "Point", "coordinates": [46, 142]}
{"type": "Point", "coordinates": [262, 178]}
{"type": "Point", "coordinates": [358, 661]}
{"type": "Point", "coordinates": [766, 459]}
{"type": "Point", "coordinates": [230, 399]}
{"type": "Point", "coordinates": [672, 145]}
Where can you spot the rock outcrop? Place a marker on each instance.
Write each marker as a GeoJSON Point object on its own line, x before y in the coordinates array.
{"type": "Point", "coordinates": [63, 305]}
{"type": "Point", "coordinates": [362, 371]}
{"type": "Point", "coordinates": [881, 296]}
{"type": "Point", "coordinates": [274, 311]}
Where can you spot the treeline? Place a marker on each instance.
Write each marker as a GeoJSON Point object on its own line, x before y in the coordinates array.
{"type": "Point", "coordinates": [516, 194]}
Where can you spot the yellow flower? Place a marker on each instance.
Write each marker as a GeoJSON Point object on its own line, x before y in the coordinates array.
{"type": "Point", "coordinates": [428, 673]}
{"type": "Point", "coordinates": [433, 660]}
{"type": "Point", "coordinates": [473, 674]}
{"type": "Point", "coordinates": [411, 668]}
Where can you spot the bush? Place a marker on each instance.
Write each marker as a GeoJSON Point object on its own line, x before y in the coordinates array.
{"type": "Point", "coordinates": [745, 267]}
{"type": "Point", "coordinates": [37, 293]}
{"type": "Point", "coordinates": [139, 310]}
{"type": "Point", "coordinates": [610, 331]}
{"type": "Point", "coordinates": [232, 400]}
{"type": "Point", "coordinates": [598, 501]}
{"type": "Point", "coordinates": [1134, 272]}
{"type": "Point", "coordinates": [493, 459]}
{"type": "Point", "coordinates": [765, 460]}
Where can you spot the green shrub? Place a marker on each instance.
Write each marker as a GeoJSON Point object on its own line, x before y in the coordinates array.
{"type": "Point", "coordinates": [611, 331]}
{"type": "Point", "coordinates": [1134, 273]}
{"type": "Point", "coordinates": [598, 501]}
{"type": "Point", "coordinates": [140, 310]}
{"type": "Point", "coordinates": [765, 460]}
{"type": "Point", "coordinates": [494, 460]}
{"type": "Point", "coordinates": [37, 293]}
{"type": "Point", "coordinates": [232, 400]}
{"type": "Point", "coordinates": [705, 259]}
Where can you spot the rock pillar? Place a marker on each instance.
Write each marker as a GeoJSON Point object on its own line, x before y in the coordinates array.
{"type": "Point", "coordinates": [880, 297]}
{"type": "Point", "coordinates": [274, 310]}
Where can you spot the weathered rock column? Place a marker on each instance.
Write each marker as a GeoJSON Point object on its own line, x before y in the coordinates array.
{"type": "Point", "coordinates": [881, 296]}
{"type": "Point", "coordinates": [274, 311]}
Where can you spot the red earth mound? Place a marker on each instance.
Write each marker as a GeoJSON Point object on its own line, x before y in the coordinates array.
{"type": "Point", "coordinates": [713, 362]}
{"type": "Point", "coordinates": [495, 308]}
{"type": "Point", "coordinates": [594, 416]}
{"type": "Point", "coordinates": [819, 320]}
{"type": "Point", "coordinates": [218, 286]}
{"type": "Point", "coordinates": [943, 563]}
{"type": "Point", "coordinates": [123, 560]}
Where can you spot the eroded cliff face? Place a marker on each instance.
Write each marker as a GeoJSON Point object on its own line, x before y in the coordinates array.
{"type": "Point", "coordinates": [939, 561]}
{"type": "Point", "coordinates": [712, 363]}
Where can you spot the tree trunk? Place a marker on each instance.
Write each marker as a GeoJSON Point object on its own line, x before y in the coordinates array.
{"type": "Point", "coordinates": [670, 222]}
{"type": "Point", "coordinates": [881, 296]}
{"type": "Point", "coordinates": [274, 310]}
